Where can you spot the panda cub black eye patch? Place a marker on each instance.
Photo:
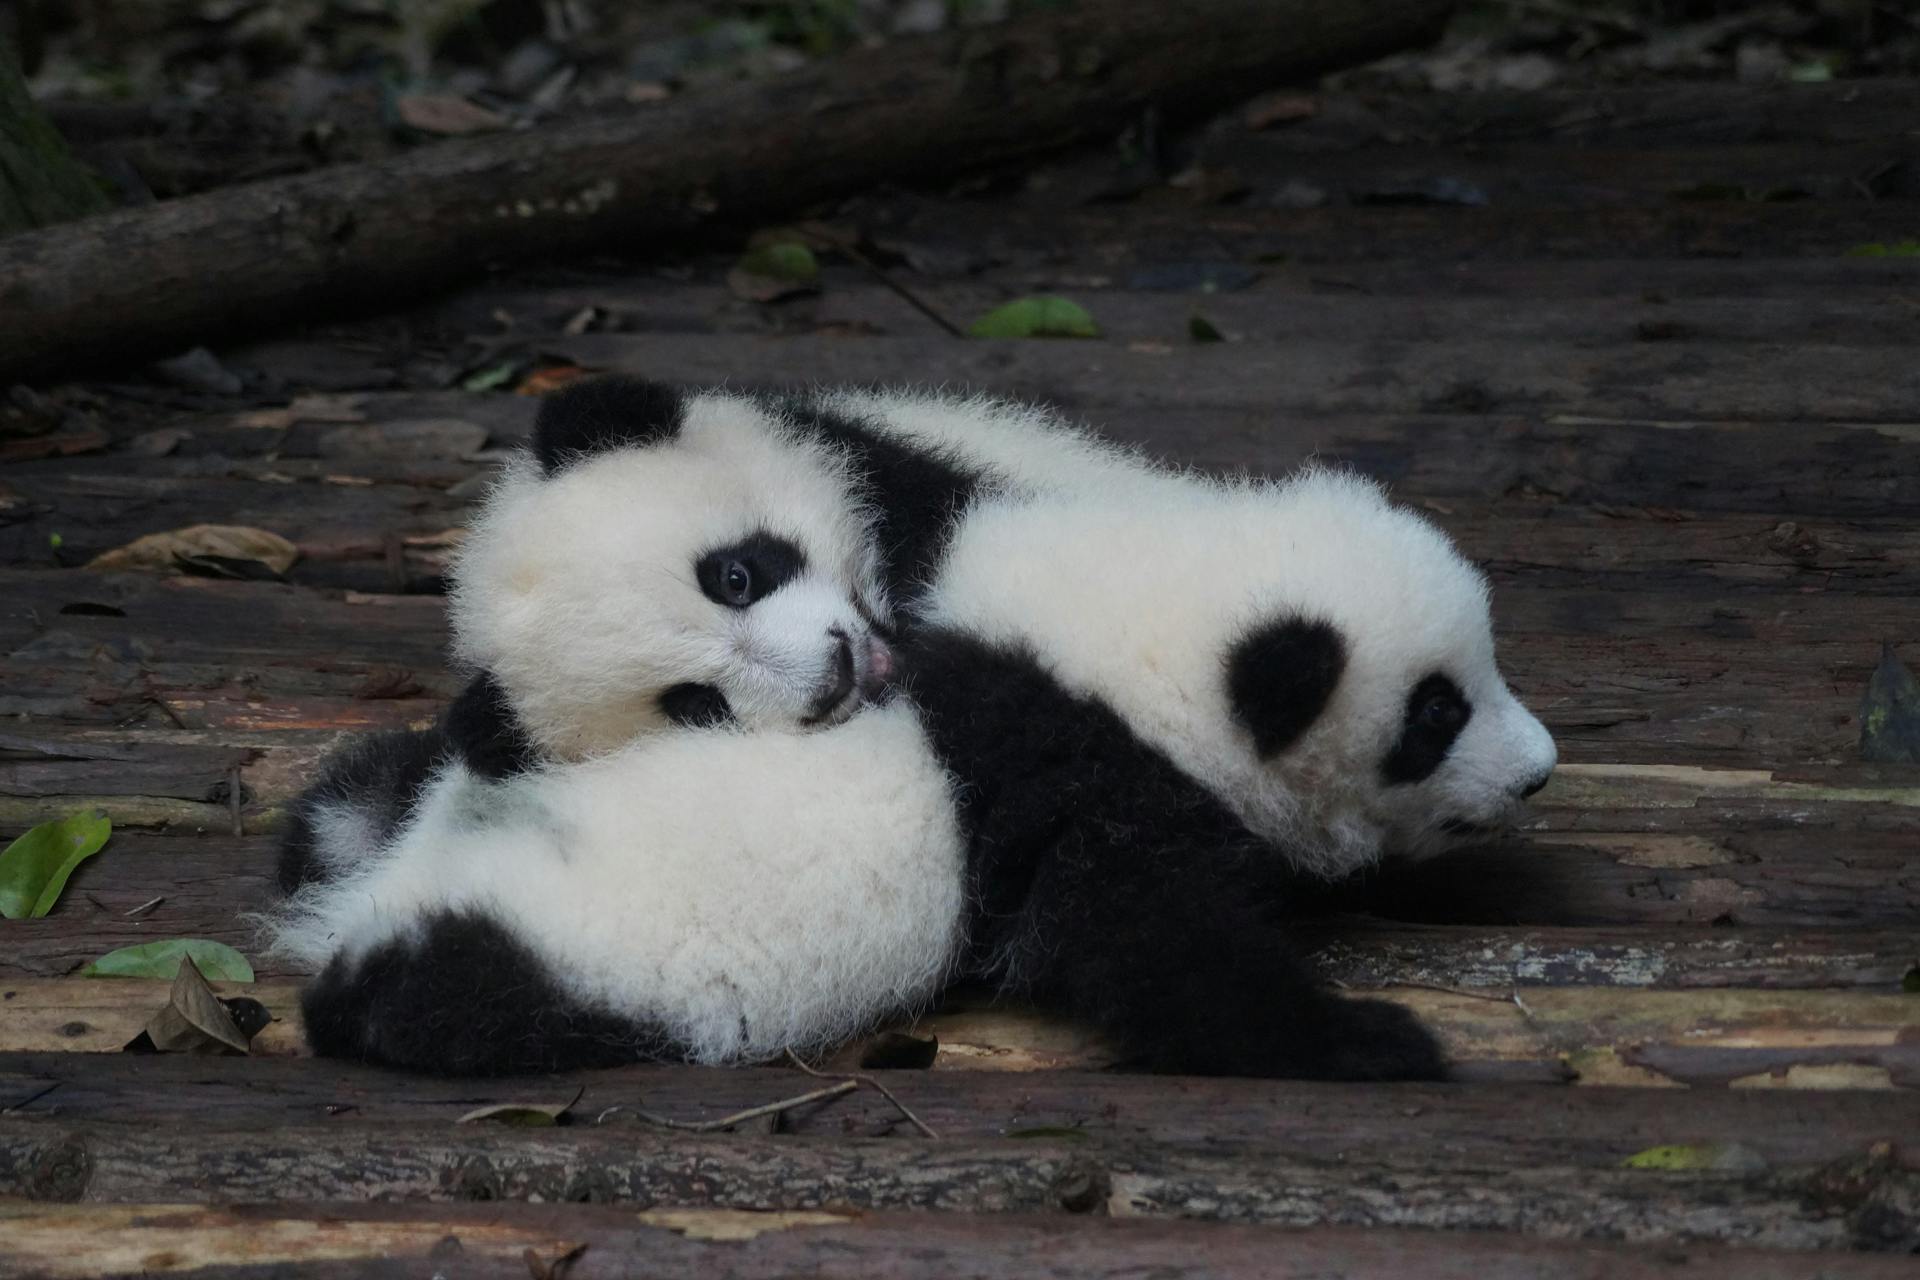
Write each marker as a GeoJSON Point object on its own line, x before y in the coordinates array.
{"type": "Point", "coordinates": [1436, 713]}
{"type": "Point", "coordinates": [746, 571]}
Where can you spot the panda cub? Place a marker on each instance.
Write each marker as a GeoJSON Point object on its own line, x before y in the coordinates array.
{"type": "Point", "coordinates": [1135, 726]}
{"type": "Point", "coordinates": [758, 603]}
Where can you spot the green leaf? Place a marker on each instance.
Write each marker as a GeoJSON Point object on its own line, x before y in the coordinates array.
{"type": "Point", "coordinates": [1201, 329]}
{"type": "Point", "coordinates": [216, 960]}
{"type": "Point", "coordinates": [1043, 317]}
{"type": "Point", "coordinates": [34, 868]}
{"type": "Point", "coordinates": [1899, 249]}
{"type": "Point", "coordinates": [491, 378]}
{"type": "Point", "coordinates": [1724, 1156]}
{"type": "Point", "coordinates": [1910, 981]}
{"type": "Point", "coordinates": [782, 260]}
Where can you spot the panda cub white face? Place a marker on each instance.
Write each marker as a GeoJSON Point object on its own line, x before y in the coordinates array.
{"type": "Point", "coordinates": [662, 562]}
{"type": "Point", "coordinates": [1321, 660]}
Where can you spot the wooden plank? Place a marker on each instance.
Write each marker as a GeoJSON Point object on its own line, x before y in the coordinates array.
{"type": "Point", "coordinates": [951, 237]}
{"type": "Point", "coordinates": [1454, 1125]}
{"type": "Point", "coordinates": [1675, 114]}
{"type": "Point", "coordinates": [1272, 308]}
{"type": "Point", "coordinates": [1594, 1035]}
{"type": "Point", "coordinates": [507, 1240]}
{"type": "Point", "coordinates": [57, 1159]}
{"type": "Point", "coordinates": [1622, 892]}
{"type": "Point", "coordinates": [1839, 383]}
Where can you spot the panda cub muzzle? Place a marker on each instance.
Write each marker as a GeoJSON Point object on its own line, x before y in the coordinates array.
{"type": "Point", "coordinates": [859, 671]}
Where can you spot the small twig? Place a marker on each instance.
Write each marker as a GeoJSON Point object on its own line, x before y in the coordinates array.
{"type": "Point", "coordinates": [738, 1117]}
{"type": "Point", "coordinates": [148, 905]}
{"type": "Point", "coordinates": [1521, 1005]}
{"type": "Point", "coordinates": [233, 800]}
{"type": "Point", "coordinates": [30, 1099]}
{"type": "Point", "coordinates": [1456, 991]}
{"type": "Point", "coordinates": [885, 277]}
{"type": "Point", "coordinates": [857, 1080]}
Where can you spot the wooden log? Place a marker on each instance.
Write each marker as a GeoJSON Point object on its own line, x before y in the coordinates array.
{"type": "Point", "coordinates": [1457, 1126]}
{"type": "Point", "coordinates": [1590, 1035]}
{"type": "Point", "coordinates": [61, 1160]}
{"type": "Point", "coordinates": [364, 234]}
{"type": "Point", "coordinates": [506, 1241]}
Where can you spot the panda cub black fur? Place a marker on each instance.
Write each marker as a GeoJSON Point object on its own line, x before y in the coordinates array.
{"type": "Point", "coordinates": [1142, 712]}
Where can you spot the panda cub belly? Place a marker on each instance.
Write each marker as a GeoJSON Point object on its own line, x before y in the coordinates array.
{"type": "Point", "coordinates": [713, 896]}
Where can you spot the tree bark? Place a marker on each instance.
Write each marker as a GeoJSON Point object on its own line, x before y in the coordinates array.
{"type": "Point", "coordinates": [40, 183]}
{"type": "Point", "coordinates": [373, 235]}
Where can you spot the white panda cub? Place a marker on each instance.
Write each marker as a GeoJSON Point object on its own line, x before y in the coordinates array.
{"type": "Point", "coordinates": [649, 563]}
{"type": "Point", "coordinates": [1166, 714]}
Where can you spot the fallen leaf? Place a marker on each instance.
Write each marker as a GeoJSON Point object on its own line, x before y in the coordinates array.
{"type": "Point", "coordinates": [164, 552]}
{"type": "Point", "coordinates": [1041, 317]}
{"type": "Point", "coordinates": [200, 370]}
{"type": "Point", "coordinates": [1899, 249]}
{"type": "Point", "coordinates": [549, 378]}
{"type": "Point", "coordinates": [65, 445]}
{"type": "Point", "coordinates": [1726, 1156]}
{"type": "Point", "coordinates": [232, 568]}
{"type": "Point", "coordinates": [446, 114]}
{"type": "Point", "coordinates": [388, 683]}
{"type": "Point", "coordinates": [215, 960]}
{"type": "Point", "coordinates": [1201, 329]}
{"type": "Point", "coordinates": [773, 270]}
{"type": "Point", "coordinates": [313, 408]}
{"type": "Point", "coordinates": [194, 1020]}
{"type": "Point", "coordinates": [1890, 713]}
{"type": "Point", "coordinates": [35, 867]}
{"type": "Point", "coordinates": [899, 1051]}
{"type": "Point", "coordinates": [157, 444]}
{"type": "Point", "coordinates": [491, 377]}
{"type": "Point", "coordinates": [1283, 108]}
{"type": "Point", "coordinates": [522, 1115]}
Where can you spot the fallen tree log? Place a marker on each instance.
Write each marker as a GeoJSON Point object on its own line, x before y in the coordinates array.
{"type": "Point", "coordinates": [145, 281]}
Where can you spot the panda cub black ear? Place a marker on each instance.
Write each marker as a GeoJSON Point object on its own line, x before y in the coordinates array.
{"type": "Point", "coordinates": [604, 413]}
{"type": "Point", "coordinates": [1280, 676]}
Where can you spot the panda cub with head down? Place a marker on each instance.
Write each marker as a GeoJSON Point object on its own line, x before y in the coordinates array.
{"type": "Point", "coordinates": [1140, 714]}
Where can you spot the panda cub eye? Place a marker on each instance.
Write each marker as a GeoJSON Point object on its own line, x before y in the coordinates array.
{"type": "Point", "coordinates": [1436, 713]}
{"type": "Point", "coordinates": [1442, 712]}
{"type": "Point", "coordinates": [737, 583]}
{"type": "Point", "coordinates": [749, 570]}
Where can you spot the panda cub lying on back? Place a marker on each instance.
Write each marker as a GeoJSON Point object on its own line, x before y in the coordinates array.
{"type": "Point", "coordinates": [1138, 717]}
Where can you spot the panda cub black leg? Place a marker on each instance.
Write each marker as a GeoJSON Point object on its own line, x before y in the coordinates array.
{"type": "Point", "coordinates": [1198, 978]}
{"type": "Point", "coordinates": [462, 996]}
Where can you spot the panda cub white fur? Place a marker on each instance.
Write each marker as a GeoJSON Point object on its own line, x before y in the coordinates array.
{"type": "Point", "coordinates": [1142, 712]}
{"type": "Point", "coordinates": [760, 602]}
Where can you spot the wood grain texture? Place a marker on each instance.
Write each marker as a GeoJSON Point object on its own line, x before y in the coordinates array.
{"type": "Point", "coordinates": [499, 1240]}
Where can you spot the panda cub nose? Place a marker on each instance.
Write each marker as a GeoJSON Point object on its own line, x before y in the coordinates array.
{"type": "Point", "coordinates": [1533, 784]}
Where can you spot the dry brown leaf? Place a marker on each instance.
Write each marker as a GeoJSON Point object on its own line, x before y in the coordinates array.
{"type": "Point", "coordinates": [549, 378]}
{"type": "Point", "coordinates": [314, 408]}
{"type": "Point", "coordinates": [194, 1020]}
{"type": "Point", "coordinates": [1284, 108]}
{"type": "Point", "coordinates": [446, 114]}
{"type": "Point", "coordinates": [163, 552]}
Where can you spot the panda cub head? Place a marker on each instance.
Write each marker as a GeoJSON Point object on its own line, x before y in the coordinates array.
{"type": "Point", "coordinates": [1368, 689]}
{"type": "Point", "coordinates": [660, 560]}
{"type": "Point", "coordinates": [1321, 660]}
